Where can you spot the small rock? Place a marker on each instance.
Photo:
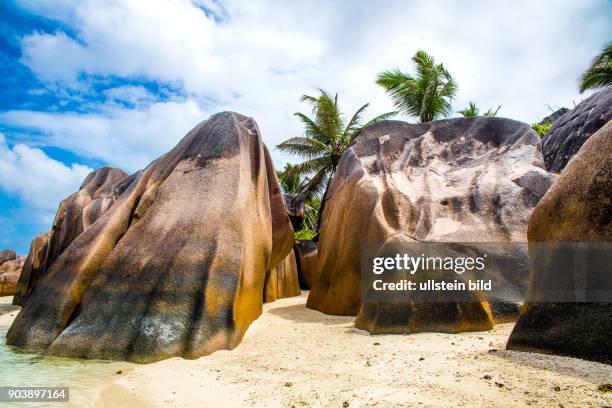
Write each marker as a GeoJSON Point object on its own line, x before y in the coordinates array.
{"type": "Point", "coordinates": [487, 377]}
{"type": "Point", "coordinates": [288, 384]}
{"type": "Point", "coordinates": [377, 344]}
{"type": "Point", "coordinates": [119, 372]}
{"type": "Point", "coordinates": [605, 387]}
{"type": "Point", "coordinates": [500, 385]}
{"type": "Point", "coordinates": [422, 358]}
{"type": "Point", "coordinates": [345, 404]}
{"type": "Point", "coordinates": [557, 388]}
{"type": "Point", "coordinates": [492, 350]}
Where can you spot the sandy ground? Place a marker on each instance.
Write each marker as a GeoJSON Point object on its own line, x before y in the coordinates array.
{"type": "Point", "coordinates": [296, 357]}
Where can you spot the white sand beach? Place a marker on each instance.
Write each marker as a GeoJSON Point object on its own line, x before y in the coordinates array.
{"type": "Point", "coordinates": [296, 357]}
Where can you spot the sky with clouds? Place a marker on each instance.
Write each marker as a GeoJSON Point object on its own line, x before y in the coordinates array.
{"type": "Point", "coordinates": [92, 83]}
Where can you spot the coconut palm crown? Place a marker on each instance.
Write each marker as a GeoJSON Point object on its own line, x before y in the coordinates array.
{"type": "Point", "coordinates": [426, 95]}
{"type": "Point", "coordinates": [599, 73]}
{"type": "Point", "coordinates": [326, 137]}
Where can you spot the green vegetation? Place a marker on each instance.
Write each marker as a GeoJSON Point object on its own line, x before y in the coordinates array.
{"type": "Point", "coordinates": [599, 73]}
{"type": "Point", "coordinates": [293, 184]}
{"type": "Point", "coordinates": [326, 137]}
{"type": "Point", "coordinates": [425, 96]}
{"type": "Point", "coordinates": [473, 111]}
{"type": "Point", "coordinates": [305, 234]}
{"type": "Point", "coordinates": [541, 128]}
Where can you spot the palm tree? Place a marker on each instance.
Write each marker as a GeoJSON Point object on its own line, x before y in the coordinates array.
{"type": "Point", "coordinates": [427, 95]}
{"type": "Point", "coordinates": [326, 137]}
{"type": "Point", "coordinates": [599, 73]}
{"type": "Point", "coordinates": [473, 111]}
{"type": "Point", "coordinates": [469, 112]}
{"type": "Point", "coordinates": [492, 113]}
{"type": "Point", "coordinates": [300, 194]}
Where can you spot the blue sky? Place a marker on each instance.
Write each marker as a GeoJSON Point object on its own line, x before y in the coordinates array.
{"type": "Point", "coordinates": [118, 83]}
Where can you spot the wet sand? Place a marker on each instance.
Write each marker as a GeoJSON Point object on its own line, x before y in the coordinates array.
{"type": "Point", "coordinates": [296, 357]}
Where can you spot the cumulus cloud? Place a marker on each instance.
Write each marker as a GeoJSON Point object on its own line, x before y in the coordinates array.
{"type": "Point", "coordinates": [259, 57]}
{"type": "Point", "coordinates": [126, 138]}
{"type": "Point", "coordinates": [36, 179]}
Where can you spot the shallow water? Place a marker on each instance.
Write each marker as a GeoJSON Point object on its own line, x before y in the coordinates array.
{"type": "Point", "coordinates": [85, 378]}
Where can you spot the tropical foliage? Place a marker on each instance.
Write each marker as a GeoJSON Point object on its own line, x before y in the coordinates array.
{"type": "Point", "coordinates": [426, 95]}
{"type": "Point", "coordinates": [541, 128]}
{"type": "Point", "coordinates": [472, 111]}
{"type": "Point", "coordinates": [294, 184]}
{"type": "Point", "coordinates": [599, 73]}
{"type": "Point", "coordinates": [326, 137]}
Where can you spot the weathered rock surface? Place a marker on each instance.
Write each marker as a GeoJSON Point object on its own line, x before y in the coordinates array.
{"type": "Point", "coordinates": [306, 256]}
{"type": "Point", "coordinates": [457, 180]}
{"type": "Point", "coordinates": [578, 208]}
{"type": "Point", "coordinates": [9, 275]}
{"type": "Point", "coordinates": [7, 255]}
{"type": "Point", "coordinates": [569, 132]}
{"type": "Point", "coordinates": [176, 266]}
{"type": "Point", "coordinates": [282, 280]}
{"type": "Point", "coordinates": [76, 213]}
{"type": "Point", "coordinates": [33, 268]}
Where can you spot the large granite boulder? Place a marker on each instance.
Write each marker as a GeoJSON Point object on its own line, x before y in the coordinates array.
{"type": "Point", "coordinates": [176, 266]}
{"type": "Point", "coordinates": [457, 180]}
{"type": "Point", "coordinates": [282, 280]}
{"type": "Point", "coordinates": [33, 268]}
{"type": "Point", "coordinates": [7, 255]}
{"type": "Point", "coordinates": [9, 275]}
{"type": "Point", "coordinates": [571, 130]}
{"type": "Point", "coordinates": [578, 208]}
{"type": "Point", "coordinates": [73, 217]}
{"type": "Point", "coordinates": [306, 256]}
{"type": "Point", "coordinates": [76, 213]}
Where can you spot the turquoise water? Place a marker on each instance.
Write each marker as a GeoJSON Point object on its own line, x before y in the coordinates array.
{"type": "Point", "coordinates": [85, 378]}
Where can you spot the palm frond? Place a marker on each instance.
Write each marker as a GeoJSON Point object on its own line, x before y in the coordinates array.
{"type": "Point", "coordinates": [379, 118]}
{"type": "Point", "coordinates": [303, 146]}
{"type": "Point", "coordinates": [425, 96]}
{"type": "Point", "coordinates": [599, 74]}
{"type": "Point", "coordinates": [492, 113]}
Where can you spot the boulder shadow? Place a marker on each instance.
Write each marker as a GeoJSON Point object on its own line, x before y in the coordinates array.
{"type": "Point", "coordinates": [591, 371]}
{"type": "Point", "coordinates": [301, 314]}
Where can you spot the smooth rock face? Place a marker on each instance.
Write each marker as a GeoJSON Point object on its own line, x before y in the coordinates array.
{"type": "Point", "coordinates": [569, 132]}
{"type": "Point", "coordinates": [176, 266]}
{"type": "Point", "coordinates": [282, 280]}
{"type": "Point", "coordinates": [578, 208]}
{"type": "Point", "coordinates": [7, 255]}
{"type": "Point", "coordinates": [457, 180]}
{"type": "Point", "coordinates": [76, 213]}
{"type": "Point", "coordinates": [306, 255]}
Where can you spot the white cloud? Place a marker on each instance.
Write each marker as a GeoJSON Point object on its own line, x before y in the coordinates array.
{"type": "Point", "coordinates": [523, 55]}
{"type": "Point", "coordinates": [39, 181]}
{"type": "Point", "coordinates": [129, 139]}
